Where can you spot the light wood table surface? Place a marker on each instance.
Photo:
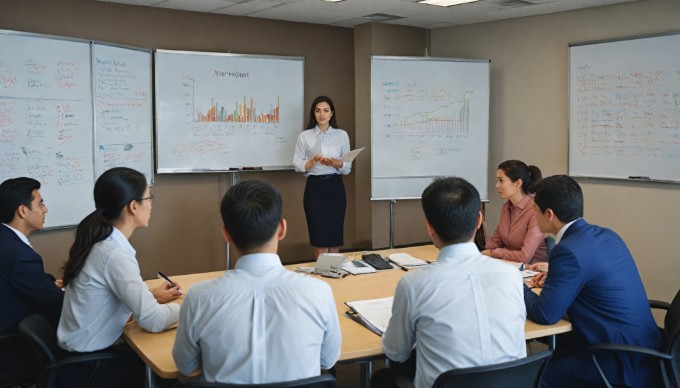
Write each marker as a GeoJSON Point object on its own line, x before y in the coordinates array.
{"type": "Point", "coordinates": [358, 343]}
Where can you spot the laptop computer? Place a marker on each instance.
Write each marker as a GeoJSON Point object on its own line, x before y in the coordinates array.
{"type": "Point", "coordinates": [326, 260]}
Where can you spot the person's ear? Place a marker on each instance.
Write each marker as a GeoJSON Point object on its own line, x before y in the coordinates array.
{"type": "Point", "coordinates": [133, 206]}
{"type": "Point", "coordinates": [282, 229]}
{"type": "Point", "coordinates": [21, 211]}
{"type": "Point", "coordinates": [480, 219]}
{"type": "Point", "coordinates": [226, 235]}
{"type": "Point", "coordinates": [519, 183]}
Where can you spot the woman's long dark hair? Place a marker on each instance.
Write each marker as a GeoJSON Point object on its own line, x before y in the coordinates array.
{"type": "Point", "coordinates": [516, 169]}
{"type": "Point", "coordinates": [113, 190]}
{"type": "Point", "coordinates": [312, 119]}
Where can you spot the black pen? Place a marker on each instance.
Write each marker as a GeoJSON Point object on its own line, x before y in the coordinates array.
{"type": "Point", "coordinates": [400, 266]}
{"type": "Point", "coordinates": [167, 279]}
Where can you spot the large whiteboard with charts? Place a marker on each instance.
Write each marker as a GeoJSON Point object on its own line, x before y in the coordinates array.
{"type": "Point", "coordinates": [624, 109]}
{"type": "Point", "coordinates": [429, 118]}
{"type": "Point", "coordinates": [215, 112]}
{"type": "Point", "coordinates": [69, 110]}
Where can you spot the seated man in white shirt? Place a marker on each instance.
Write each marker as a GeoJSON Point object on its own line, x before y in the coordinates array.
{"type": "Point", "coordinates": [258, 323]}
{"type": "Point", "coordinates": [465, 309]}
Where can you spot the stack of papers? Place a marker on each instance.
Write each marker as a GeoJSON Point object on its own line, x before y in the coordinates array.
{"type": "Point", "coordinates": [528, 273]}
{"type": "Point", "coordinates": [405, 260]}
{"type": "Point", "coordinates": [374, 314]}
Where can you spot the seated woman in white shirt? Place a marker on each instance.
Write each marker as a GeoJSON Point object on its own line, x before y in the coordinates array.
{"type": "Point", "coordinates": [103, 282]}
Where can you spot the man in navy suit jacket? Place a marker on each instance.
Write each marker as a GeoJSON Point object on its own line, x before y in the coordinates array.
{"type": "Point", "coordinates": [594, 281]}
{"type": "Point", "coordinates": [25, 288]}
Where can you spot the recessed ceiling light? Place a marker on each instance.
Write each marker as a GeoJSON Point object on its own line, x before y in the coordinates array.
{"type": "Point", "coordinates": [333, 1]}
{"type": "Point", "coordinates": [445, 3]}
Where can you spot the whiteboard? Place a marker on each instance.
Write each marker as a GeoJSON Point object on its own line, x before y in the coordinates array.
{"type": "Point", "coordinates": [123, 110]}
{"type": "Point", "coordinates": [46, 121]}
{"type": "Point", "coordinates": [624, 109]}
{"type": "Point", "coordinates": [429, 118]}
{"type": "Point", "coordinates": [217, 111]}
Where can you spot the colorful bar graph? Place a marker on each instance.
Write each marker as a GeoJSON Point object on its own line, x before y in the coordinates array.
{"type": "Point", "coordinates": [242, 112]}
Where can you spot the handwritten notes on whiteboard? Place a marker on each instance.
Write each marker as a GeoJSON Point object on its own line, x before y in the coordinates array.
{"type": "Point", "coordinates": [624, 109]}
{"type": "Point", "coordinates": [429, 118]}
{"type": "Point", "coordinates": [122, 109]}
{"type": "Point", "coordinates": [48, 129]}
{"type": "Point", "coordinates": [46, 121]}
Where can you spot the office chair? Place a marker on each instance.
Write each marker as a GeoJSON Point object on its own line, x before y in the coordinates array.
{"type": "Point", "coordinates": [669, 357]}
{"type": "Point", "coordinates": [14, 354]}
{"type": "Point", "coordinates": [525, 372]}
{"type": "Point", "coordinates": [321, 381]}
{"type": "Point", "coordinates": [51, 358]}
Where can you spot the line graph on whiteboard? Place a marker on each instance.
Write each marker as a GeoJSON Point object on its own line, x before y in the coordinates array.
{"type": "Point", "coordinates": [418, 110]}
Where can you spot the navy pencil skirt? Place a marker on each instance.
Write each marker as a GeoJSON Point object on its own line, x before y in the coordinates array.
{"type": "Point", "coordinates": [325, 204]}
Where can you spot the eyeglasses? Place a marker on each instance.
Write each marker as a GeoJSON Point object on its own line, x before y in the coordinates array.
{"type": "Point", "coordinates": [150, 198]}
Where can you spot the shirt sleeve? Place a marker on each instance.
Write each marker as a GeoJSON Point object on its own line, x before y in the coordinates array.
{"type": "Point", "coordinates": [562, 285]}
{"type": "Point", "coordinates": [300, 157]}
{"type": "Point", "coordinates": [187, 351]}
{"type": "Point", "coordinates": [122, 276]}
{"type": "Point", "coordinates": [399, 338]}
{"type": "Point", "coordinates": [330, 349]}
{"type": "Point", "coordinates": [344, 149]}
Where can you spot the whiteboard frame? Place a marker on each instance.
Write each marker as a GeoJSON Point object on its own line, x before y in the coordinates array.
{"type": "Point", "coordinates": [569, 129]}
{"type": "Point", "coordinates": [434, 59]}
{"type": "Point", "coordinates": [216, 54]}
{"type": "Point", "coordinates": [153, 101]}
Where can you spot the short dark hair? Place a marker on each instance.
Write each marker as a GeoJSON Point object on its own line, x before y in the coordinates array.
{"type": "Point", "coordinates": [451, 206]}
{"type": "Point", "coordinates": [562, 194]}
{"type": "Point", "coordinates": [14, 193]}
{"type": "Point", "coordinates": [251, 212]}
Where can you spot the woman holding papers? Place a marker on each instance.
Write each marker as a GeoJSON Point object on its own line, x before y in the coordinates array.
{"type": "Point", "coordinates": [517, 237]}
{"type": "Point", "coordinates": [319, 155]}
{"type": "Point", "coordinates": [103, 282]}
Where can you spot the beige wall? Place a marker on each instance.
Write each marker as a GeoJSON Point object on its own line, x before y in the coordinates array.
{"type": "Point", "coordinates": [184, 233]}
{"type": "Point", "coordinates": [529, 119]}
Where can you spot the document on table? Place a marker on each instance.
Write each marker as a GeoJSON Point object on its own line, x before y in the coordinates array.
{"type": "Point", "coordinates": [350, 156]}
{"type": "Point", "coordinates": [528, 273]}
{"type": "Point", "coordinates": [405, 260]}
{"type": "Point", "coordinates": [374, 314]}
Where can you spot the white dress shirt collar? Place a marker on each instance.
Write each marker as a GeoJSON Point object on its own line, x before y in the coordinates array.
{"type": "Point", "coordinates": [119, 238]}
{"type": "Point", "coordinates": [259, 260]}
{"type": "Point", "coordinates": [560, 234]}
{"type": "Point", "coordinates": [21, 235]}
{"type": "Point", "coordinates": [456, 252]}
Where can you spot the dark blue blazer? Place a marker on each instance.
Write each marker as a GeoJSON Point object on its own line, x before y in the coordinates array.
{"type": "Point", "coordinates": [593, 279]}
{"type": "Point", "coordinates": [24, 286]}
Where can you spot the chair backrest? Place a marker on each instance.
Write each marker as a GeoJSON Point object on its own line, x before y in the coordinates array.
{"type": "Point", "coordinates": [525, 372]}
{"type": "Point", "coordinates": [43, 338]}
{"type": "Point", "coordinates": [672, 329]}
{"type": "Point", "coordinates": [321, 381]}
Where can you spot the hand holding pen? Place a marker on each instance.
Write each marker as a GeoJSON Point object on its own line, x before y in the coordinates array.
{"type": "Point", "coordinates": [168, 291]}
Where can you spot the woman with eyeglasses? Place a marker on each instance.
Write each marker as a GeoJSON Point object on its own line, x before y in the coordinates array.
{"type": "Point", "coordinates": [102, 278]}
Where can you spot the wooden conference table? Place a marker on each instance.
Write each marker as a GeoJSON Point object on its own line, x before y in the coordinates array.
{"type": "Point", "coordinates": [358, 343]}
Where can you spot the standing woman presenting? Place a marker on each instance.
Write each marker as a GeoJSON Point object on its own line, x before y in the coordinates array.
{"type": "Point", "coordinates": [318, 154]}
{"type": "Point", "coordinates": [517, 236]}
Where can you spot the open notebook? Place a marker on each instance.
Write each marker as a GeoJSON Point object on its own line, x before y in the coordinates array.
{"type": "Point", "coordinates": [374, 314]}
